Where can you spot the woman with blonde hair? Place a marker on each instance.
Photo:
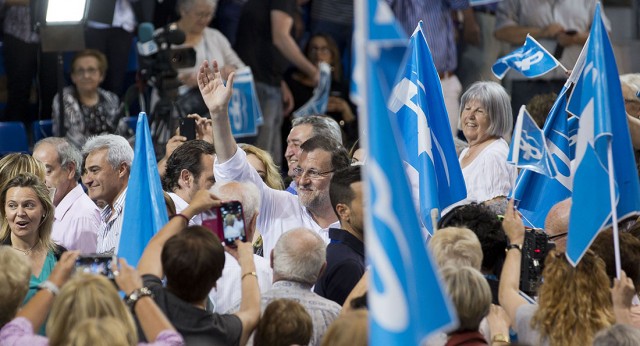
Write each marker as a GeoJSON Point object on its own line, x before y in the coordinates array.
{"type": "Point", "coordinates": [16, 163]}
{"type": "Point", "coordinates": [263, 163]}
{"type": "Point", "coordinates": [574, 303]}
{"type": "Point", "coordinates": [105, 331]}
{"type": "Point", "coordinates": [15, 272]}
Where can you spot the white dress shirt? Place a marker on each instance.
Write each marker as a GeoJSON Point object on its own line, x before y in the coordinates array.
{"type": "Point", "coordinates": [181, 205]}
{"type": "Point", "coordinates": [111, 226]}
{"type": "Point", "coordinates": [76, 223]}
{"type": "Point", "coordinates": [228, 288]}
{"type": "Point", "coordinates": [280, 211]}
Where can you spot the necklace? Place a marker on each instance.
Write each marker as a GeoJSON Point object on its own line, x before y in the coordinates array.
{"type": "Point", "coordinates": [26, 252]}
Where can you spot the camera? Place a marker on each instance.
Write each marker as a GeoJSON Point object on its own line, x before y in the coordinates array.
{"type": "Point", "coordinates": [535, 248]}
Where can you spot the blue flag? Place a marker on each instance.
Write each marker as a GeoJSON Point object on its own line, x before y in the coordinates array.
{"type": "Point", "coordinates": [528, 147]}
{"type": "Point", "coordinates": [532, 60]}
{"type": "Point", "coordinates": [536, 193]}
{"type": "Point", "coordinates": [318, 102]}
{"type": "Point", "coordinates": [422, 120]}
{"type": "Point", "coordinates": [603, 148]}
{"type": "Point", "coordinates": [406, 297]}
{"type": "Point", "coordinates": [144, 209]}
{"type": "Point", "coordinates": [244, 108]}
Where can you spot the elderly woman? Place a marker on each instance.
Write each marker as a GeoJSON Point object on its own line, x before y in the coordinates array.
{"type": "Point", "coordinates": [28, 213]}
{"type": "Point", "coordinates": [88, 109]}
{"type": "Point", "coordinates": [486, 121]}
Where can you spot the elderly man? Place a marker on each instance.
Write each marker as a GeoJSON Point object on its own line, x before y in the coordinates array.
{"type": "Point", "coordinates": [279, 211]}
{"type": "Point", "coordinates": [302, 129]}
{"type": "Point", "coordinates": [188, 170]}
{"type": "Point", "coordinates": [227, 289]}
{"type": "Point", "coordinates": [77, 217]}
{"type": "Point", "coordinates": [557, 223]}
{"type": "Point", "coordinates": [106, 175]}
{"type": "Point", "coordinates": [298, 260]}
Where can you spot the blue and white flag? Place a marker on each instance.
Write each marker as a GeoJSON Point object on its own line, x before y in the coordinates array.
{"type": "Point", "coordinates": [145, 212]}
{"type": "Point", "coordinates": [605, 185]}
{"type": "Point", "coordinates": [528, 147]}
{"type": "Point", "coordinates": [244, 107]}
{"type": "Point", "coordinates": [319, 100]}
{"type": "Point", "coordinates": [432, 162]}
{"type": "Point", "coordinates": [406, 298]}
{"type": "Point", "coordinates": [536, 193]}
{"type": "Point", "coordinates": [532, 60]}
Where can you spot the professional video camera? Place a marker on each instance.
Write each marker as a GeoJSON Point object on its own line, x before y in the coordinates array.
{"type": "Point", "coordinates": [535, 248]}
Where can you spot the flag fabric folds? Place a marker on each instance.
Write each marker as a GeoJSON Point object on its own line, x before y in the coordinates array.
{"type": "Point", "coordinates": [528, 147]}
{"type": "Point", "coordinates": [144, 210]}
{"type": "Point", "coordinates": [406, 297]}
{"type": "Point", "coordinates": [532, 60]}
{"type": "Point", "coordinates": [318, 102]}
{"type": "Point", "coordinates": [432, 162]}
{"type": "Point", "coordinates": [605, 185]}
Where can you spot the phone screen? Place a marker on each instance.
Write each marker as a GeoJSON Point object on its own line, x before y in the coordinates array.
{"type": "Point", "coordinates": [232, 219]}
{"type": "Point", "coordinates": [188, 128]}
{"type": "Point", "coordinates": [95, 264]}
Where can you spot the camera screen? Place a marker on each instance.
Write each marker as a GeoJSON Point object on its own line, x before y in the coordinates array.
{"type": "Point", "coordinates": [97, 264]}
{"type": "Point", "coordinates": [232, 222]}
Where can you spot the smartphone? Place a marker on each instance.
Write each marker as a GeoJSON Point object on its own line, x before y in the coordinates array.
{"type": "Point", "coordinates": [226, 222]}
{"type": "Point", "coordinates": [188, 128]}
{"type": "Point", "coordinates": [96, 264]}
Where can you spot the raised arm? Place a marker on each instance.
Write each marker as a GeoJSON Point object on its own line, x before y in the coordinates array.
{"type": "Point", "coordinates": [281, 24]}
{"type": "Point", "coordinates": [509, 295]}
{"type": "Point", "coordinates": [150, 261]}
{"type": "Point", "coordinates": [249, 312]}
{"type": "Point", "coordinates": [216, 96]}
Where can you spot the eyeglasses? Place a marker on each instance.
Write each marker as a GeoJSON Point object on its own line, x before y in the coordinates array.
{"type": "Point", "coordinates": [203, 15]}
{"type": "Point", "coordinates": [90, 71]}
{"type": "Point", "coordinates": [319, 49]}
{"type": "Point", "coordinates": [558, 236]}
{"type": "Point", "coordinates": [311, 173]}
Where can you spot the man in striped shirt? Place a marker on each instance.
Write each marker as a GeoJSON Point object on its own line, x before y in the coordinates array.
{"type": "Point", "coordinates": [106, 175]}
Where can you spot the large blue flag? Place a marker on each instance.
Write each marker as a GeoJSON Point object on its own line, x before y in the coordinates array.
{"type": "Point", "coordinates": [406, 297]}
{"type": "Point", "coordinates": [605, 185]}
{"type": "Point", "coordinates": [532, 60]}
{"type": "Point", "coordinates": [528, 147]}
{"type": "Point", "coordinates": [144, 209]}
{"type": "Point", "coordinates": [417, 101]}
{"type": "Point", "coordinates": [536, 193]}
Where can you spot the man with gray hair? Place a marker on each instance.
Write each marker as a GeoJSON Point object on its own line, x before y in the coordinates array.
{"type": "Point", "coordinates": [227, 289]}
{"type": "Point", "coordinates": [77, 218]}
{"type": "Point", "coordinates": [107, 166]}
{"type": "Point", "coordinates": [302, 129]}
{"type": "Point", "coordinates": [298, 259]}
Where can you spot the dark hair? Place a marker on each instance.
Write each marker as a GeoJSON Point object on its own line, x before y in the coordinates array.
{"type": "Point", "coordinates": [340, 189]}
{"type": "Point", "coordinates": [192, 261]}
{"type": "Point", "coordinates": [485, 224]}
{"type": "Point", "coordinates": [187, 156]}
{"type": "Point", "coordinates": [339, 156]}
{"type": "Point", "coordinates": [629, 254]}
{"type": "Point", "coordinates": [539, 107]}
{"type": "Point", "coordinates": [93, 53]}
{"type": "Point", "coordinates": [284, 322]}
{"type": "Point", "coordinates": [336, 62]}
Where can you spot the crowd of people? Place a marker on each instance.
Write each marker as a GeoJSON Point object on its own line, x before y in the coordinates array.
{"type": "Point", "coordinates": [293, 269]}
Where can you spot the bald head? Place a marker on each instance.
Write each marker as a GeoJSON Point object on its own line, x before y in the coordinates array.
{"type": "Point", "coordinates": [557, 222]}
{"type": "Point", "coordinates": [299, 255]}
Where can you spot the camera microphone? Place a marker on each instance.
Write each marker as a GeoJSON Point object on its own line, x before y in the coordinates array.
{"type": "Point", "coordinates": [146, 45]}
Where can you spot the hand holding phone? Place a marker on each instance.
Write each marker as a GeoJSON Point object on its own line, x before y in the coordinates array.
{"type": "Point", "coordinates": [95, 264]}
{"type": "Point", "coordinates": [227, 222]}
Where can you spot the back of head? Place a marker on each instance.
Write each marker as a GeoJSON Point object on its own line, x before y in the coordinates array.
{"type": "Point", "coordinates": [284, 322]}
{"type": "Point", "coordinates": [629, 254]}
{"type": "Point", "coordinates": [496, 102]}
{"type": "Point", "coordinates": [246, 193]}
{"type": "Point", "coordinates": [67, 153]}
{"type": "Point", "coordinates": [470, 294]}
{"type": "Point", "coordinates": [322, 125]}
{"type": "Point", "coordinates": [83, 297]}
{"type": "Point", "coordinates": [187, 156]}
{"type": "Point", "coordinates": [339, 156]}
{"type": "Point", "coordinates": [13, 164]}
{"type": "Point", "coordinates": [618, 335]}
{"type": "Point", "coordinates": [456, 246]}
{"type": "Point", "coordinates": [299, 256]}
{"type": "Point", "coordinates": [15, 273]}
{"type": "Point", "coordinates": [557, 220]}
{"type": "Point", "coordinates": [350, 329]}
{"type": "Point", "coordinates": [487, 227]}
{"type": "Point", "coordinates": [119, 149]}
{"type": "Point", "coordinates": [106, 331]}
{"type": "Point", "coordinates": [192, 261]}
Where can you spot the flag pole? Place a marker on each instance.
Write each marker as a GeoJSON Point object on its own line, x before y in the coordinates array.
{"type": "Point", "coordinates": [614, 210]}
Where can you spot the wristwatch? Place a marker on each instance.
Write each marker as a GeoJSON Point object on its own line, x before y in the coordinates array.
{"type": "Point", "coordinates": [138, 293]}
{"type": "Point", "coordinates": [501, 338]}
{"type": "Point", "coordinates": [514, 246]}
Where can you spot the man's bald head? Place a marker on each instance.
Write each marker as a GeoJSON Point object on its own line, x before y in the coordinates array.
{"type": "Point", "coordinates": [557, 222]}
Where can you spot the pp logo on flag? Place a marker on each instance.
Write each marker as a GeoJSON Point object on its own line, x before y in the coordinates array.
{"type": "Point", "coordinates": [238, 110]}
{"type": "Point", "coordinates": [530, 151]}
{"type": "Point", "coordinates": [526, 63]}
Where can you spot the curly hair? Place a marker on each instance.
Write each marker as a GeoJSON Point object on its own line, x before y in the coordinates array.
{"type": "Point", "coordinates": [574, 303]}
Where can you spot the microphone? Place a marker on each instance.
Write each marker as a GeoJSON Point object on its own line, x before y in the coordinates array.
{"type": "Point", "coordinates": [146, 45]}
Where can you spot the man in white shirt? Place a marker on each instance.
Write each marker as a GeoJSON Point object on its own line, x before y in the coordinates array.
{"type": "Point", "coordinates": [227, 290]}
{"type": "Point", "coordinates": [77, 218]}
{"type": "Point", "coordinates": [106, 174]}
{"type": "Point", "coordinates": [188, 170]}
{"type": "Point", "coordinates": [280, 211]}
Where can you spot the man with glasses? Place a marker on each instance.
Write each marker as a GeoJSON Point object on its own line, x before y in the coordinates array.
{"type": "Point", "coordinates": [280, 211]}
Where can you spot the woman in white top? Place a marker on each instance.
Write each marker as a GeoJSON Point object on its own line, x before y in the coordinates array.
{"type": "Point", "coordinates": [486, 121]}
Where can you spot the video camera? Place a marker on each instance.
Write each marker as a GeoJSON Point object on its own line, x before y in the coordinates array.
{"type": "Point", "coordinates": [535, 248]}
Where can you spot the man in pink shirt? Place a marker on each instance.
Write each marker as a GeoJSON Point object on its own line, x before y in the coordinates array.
{"type": "Point", "coordinates": [77, 218]}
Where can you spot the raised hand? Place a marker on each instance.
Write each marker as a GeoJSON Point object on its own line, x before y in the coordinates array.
{"type": "Point", "coordinates": [512, 224]}
{"type": "Point", "coordinates": [215, 94]}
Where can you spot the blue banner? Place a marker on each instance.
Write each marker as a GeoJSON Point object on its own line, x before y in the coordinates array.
{"type": "Point", "coordinates": [319, 100]}
{"type": "Point", "coordinates": [244, 108]}
{"type": "Point", "coordinates": [532, 60]}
